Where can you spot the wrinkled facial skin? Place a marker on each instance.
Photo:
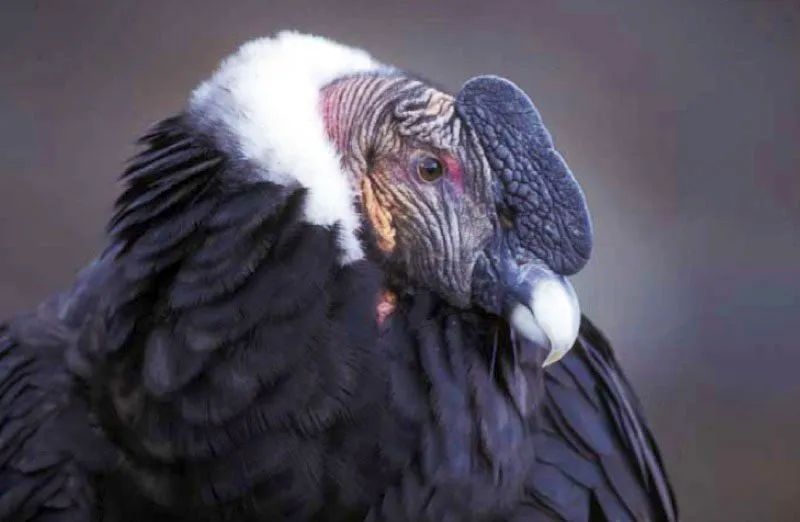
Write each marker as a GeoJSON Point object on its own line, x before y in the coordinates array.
{"type": "Point", "coordinates": [428, 195]}
{"type": "Point", "coordinates": [468, 196]}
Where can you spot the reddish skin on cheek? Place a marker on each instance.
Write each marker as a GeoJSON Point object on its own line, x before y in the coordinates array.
{"type": "Point", "coordinates": [454, 171]}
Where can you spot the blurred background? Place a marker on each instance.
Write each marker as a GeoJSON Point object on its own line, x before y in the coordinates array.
{"type": "Point", "coordinates": [681, 119]}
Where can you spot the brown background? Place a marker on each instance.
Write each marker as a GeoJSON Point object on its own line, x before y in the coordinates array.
{"type": "Point", "coordinates": [680, 118]}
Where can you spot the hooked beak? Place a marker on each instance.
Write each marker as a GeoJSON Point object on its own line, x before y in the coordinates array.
{"type": "Point", "coordinates": [548, 315]}
{"type": "Point", "coordinates": [538, 304]}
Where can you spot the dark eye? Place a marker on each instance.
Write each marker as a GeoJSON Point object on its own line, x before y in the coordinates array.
{"type": "Point", "coordinates": [430, 169]}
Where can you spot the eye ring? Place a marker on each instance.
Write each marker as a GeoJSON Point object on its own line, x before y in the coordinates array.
{"type": "Point", "coordinates": [430, 168]}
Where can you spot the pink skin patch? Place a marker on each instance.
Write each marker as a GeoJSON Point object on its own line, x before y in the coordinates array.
{"type": "Point", "coordinates": [331, 106]}
{"type": "Point", "coordinates": [386, 306]}
{"type": "Point", "coordinates": [454, 171]}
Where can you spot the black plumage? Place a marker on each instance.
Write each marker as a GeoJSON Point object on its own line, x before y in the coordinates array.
{"type": "Point", "coordinates": [218, 362]}
{"type": "Point", "coordinates": [492, 443]}
{"type": "Point", "coordinates": [204, 342]}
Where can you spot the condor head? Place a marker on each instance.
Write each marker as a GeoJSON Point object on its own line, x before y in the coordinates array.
{"type": "Point", "coordinates": [467, 196]}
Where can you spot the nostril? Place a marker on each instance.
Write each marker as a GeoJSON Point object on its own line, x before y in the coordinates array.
{"type": "Point", "coordinates": [506, 216]}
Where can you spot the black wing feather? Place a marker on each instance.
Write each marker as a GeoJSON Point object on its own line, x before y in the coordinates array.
{"type": "Point", "coordinates": [579, 451]}
{"type": "Point", "coordinates": [227, 355]}
{"type": "Point", "coordinates": [217, 374]}
{"type": "Point", "coordinates": [594, 431]}
{"type": "Point", "coordinates": [49, 446]}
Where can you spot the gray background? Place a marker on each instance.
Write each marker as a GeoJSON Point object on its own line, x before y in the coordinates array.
{"type": "Point", "coordinates": [680, 118]}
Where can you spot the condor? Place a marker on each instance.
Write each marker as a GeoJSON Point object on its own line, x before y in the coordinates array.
{"type": "Point", "coordinates": [331, 292]}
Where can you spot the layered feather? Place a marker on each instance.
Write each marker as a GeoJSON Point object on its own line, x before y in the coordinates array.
{"type": "Point", "coordinates": [50, 448]}
{"type": "Point", "coordinates": [580, 451]}
{"type": "Point", "coordinates": [234, 348]}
